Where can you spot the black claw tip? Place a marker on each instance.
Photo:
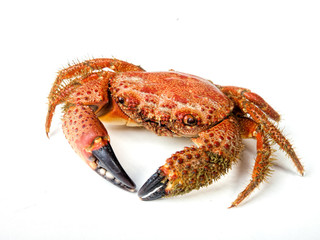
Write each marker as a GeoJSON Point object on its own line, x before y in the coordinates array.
{"type": "Point", "coordinates": [154, 187]}
{"type": "Point", "coordinates": [108, 161]}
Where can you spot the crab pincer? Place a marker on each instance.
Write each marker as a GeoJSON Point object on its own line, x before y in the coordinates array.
{"type": "Point", "coordinates": [108, 162]}
{"type": "Point", "coordinates": [91, 141]}
{"type": "Point", "coordinates": [195, 167]}
{"type": "Point", "coordinates": [83, 88]}
{"type": "Point", "coordinates": [154, 188]}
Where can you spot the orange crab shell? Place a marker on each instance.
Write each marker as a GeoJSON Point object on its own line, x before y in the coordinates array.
{"type": "Point", "coordinates": [170, 103]}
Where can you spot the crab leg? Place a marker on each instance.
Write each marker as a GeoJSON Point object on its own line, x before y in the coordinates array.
{"type": "Point", "coordinates": [247, 95]}
{"type": "Point", "coordinates": [218, 148]}
{"type": "Point", "coordinates": [69, 79]}
{"type": "Point", "coordinates": [89, 66]}
{"type": "Point", "coordinates": [275, 134]}
{"type": "Point", "coordinates": [259, 111]}
{"type": "Point", "coordinates": [89, 138]}
{"type": "Point", "coordinates": [261, 169]}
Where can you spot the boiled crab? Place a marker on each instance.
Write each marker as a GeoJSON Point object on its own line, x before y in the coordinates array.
{"type": "Point", "coordinates": [171, 103]}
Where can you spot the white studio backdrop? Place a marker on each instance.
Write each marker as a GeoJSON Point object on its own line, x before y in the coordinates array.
{"type": "Point", "coordinates": [47, 192]}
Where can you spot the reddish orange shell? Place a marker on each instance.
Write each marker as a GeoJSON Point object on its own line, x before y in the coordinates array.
{"type": "Point", "coordinates": [161, 101]}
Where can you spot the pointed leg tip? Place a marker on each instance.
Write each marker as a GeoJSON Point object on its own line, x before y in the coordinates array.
{"type": "Point", "coordinates": [302, 172]}
{"type": "Point", "coordinates": [47, 133]}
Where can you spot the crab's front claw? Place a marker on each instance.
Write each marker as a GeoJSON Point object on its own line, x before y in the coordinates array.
{"type": "Point", "coordinates": [154, 188]}
{"type": "Point", "coordinates": [185, 171]}
{"type": "Point", "coordinates": [89, 138]}
{"type": "Point", "coordinates": [109, 167]}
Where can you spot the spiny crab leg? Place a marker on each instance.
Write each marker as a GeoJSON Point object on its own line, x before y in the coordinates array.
{"type": "Point", "coordinates": [69, 79]}
{"type": "Point", "coordinates": [259, 110]}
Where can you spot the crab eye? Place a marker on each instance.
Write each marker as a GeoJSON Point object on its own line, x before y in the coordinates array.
{"type": "Point", "coordinates": [189, 120]}
{"type": "Point", "coordinates": [121, 100]}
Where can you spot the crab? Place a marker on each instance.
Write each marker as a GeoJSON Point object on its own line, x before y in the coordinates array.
{"type": "Point", "coordinates": [171, 103]}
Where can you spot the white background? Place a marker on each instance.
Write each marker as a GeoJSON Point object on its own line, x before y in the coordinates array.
{"type": "Point", "coordinates": [47, 192]}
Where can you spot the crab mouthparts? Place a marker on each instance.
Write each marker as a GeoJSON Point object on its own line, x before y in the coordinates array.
{"type": "Point", "coordinates": [110, 168]}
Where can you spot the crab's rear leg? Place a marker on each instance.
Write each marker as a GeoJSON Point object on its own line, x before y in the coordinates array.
{"type": "Point", "coordinates": [246, 94]}
{"type": "Point", "coordinates": [89, 138]}
{"type": "Point", "coordinates": [261, 169]}
{"type": "Point", "coordinates": [195, 167]}
{"type": "Point", "coordinates": [69, 79]}
{"type": "Point", "coordinates": [95, 65]}
{"type": "Point", "coordinates": [260, 111]}
{"type": "Point", "coordinates": [274, 133]}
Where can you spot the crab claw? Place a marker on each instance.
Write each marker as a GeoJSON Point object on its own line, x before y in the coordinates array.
{"type": "Point", "coordinates": [110, 168]}
{"type": "Point", "coordinates": [154, 187]}
{"type": "Point", "coordinates": [90, 140]}
{"type": "Point", "coordinates": [183, 172]}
